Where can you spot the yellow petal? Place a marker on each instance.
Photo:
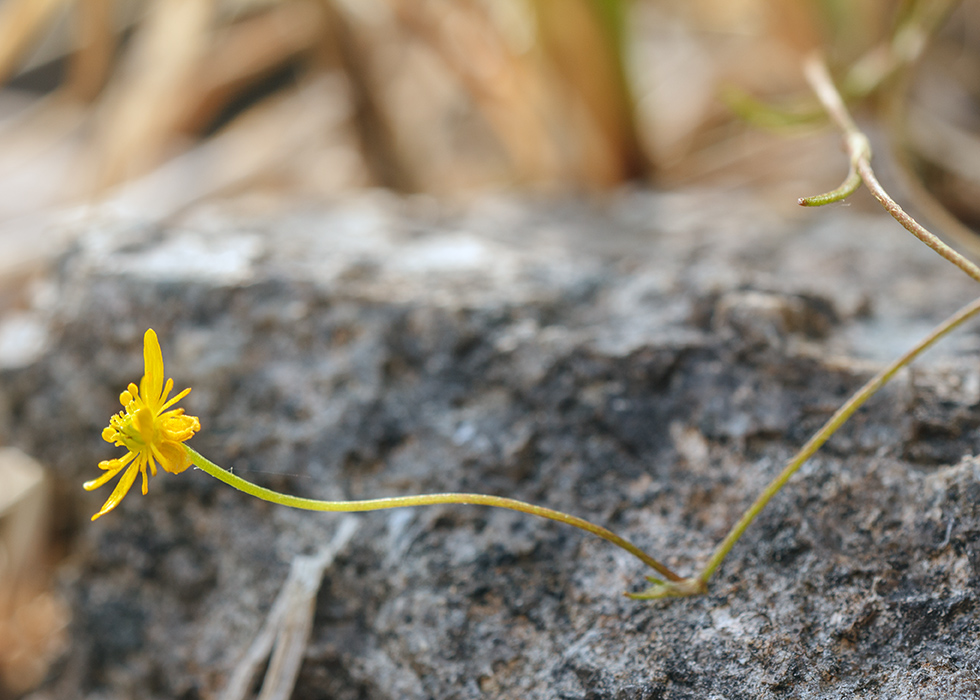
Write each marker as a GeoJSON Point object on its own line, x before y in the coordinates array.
{"type": "Point", "coordinates": [179, 427]}
{"type": "Point", "coordinates": [167, 388]}
{"type": "Point", "coordinates": [96, 483]}
{"type": "Point", "coordinates": [152, 383]}
{"type": "Point", "coordinates": [122, 488]}
{"type": "Point", "coordinates": [175, 399]}
{"type": "Point", "coordinates": [117, 463]}
{"type": "Point", "coordinates": [172, 456]}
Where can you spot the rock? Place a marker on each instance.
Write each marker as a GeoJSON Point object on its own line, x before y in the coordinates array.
{"type": "Point", "coordinates": [647, 362]}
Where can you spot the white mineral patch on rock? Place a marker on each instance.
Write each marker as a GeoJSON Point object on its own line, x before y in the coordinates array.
{"type": "Point", "coordinates": [190, 256]}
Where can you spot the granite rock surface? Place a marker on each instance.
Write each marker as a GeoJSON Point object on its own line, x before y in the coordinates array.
{"type": "Point", "coordinates": [647, 362]}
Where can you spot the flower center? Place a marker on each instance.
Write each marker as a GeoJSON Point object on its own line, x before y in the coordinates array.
{"type": "Point", "coordinates": [137, 432]}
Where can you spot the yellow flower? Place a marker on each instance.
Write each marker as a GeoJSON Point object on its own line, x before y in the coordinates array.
{"type": "Point", "coordinates": [149, 432]}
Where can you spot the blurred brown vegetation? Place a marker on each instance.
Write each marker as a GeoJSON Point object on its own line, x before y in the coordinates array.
{"type": "Point", "coordinates": [449, 96]}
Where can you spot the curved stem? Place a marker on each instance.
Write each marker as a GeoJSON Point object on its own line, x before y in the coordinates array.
{"type": "Point", "coordinates": [831, 426]}
{"type": "Point", "coordinates": [846, 189]}
{"type": "Point", "coordinates": [425, 500]}
{"type": "Point", "coordinates": [913, 226]}
{"type": "Point", "coordinates": [859, 152]}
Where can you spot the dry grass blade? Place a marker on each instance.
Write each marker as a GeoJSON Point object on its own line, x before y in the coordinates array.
{"type": "Point", "coordinates": [20, 23]}
{"type": "Point", "coordinates": [149, 98]}
{"type": "Point", "coordinates": [944, 144]}
{"type": "Point", "coordinates": [587, 57]}
{"type": "Point", "coordinates": [247, 51]}
{"type": "Point", "coordinates": [507, 88]}
{"type": "Point", "coordinates": [92, 61]}
{"type": "Point", "coordinates": [287, 627]}
{"type": "Point", "coordinates": [375, 124]}
{"type": "Point", "coordinates": [254, 143]}
{"type": "Point", "coordinates": [32, 619]}
{"type": "Point", "coordinates": [913, 146]}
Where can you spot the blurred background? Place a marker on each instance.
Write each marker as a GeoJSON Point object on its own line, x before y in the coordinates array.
{"type": "Point", "coordinates": [455, 97]}
{"type": "Point", "coordinates": [148, 106]}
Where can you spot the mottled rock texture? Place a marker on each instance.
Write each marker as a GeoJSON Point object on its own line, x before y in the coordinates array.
{"type": "Point", "coordinates": [647, 362]}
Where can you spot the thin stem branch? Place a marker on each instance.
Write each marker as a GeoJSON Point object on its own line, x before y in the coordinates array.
{"type": "Point", "coordinates": [913, 226]}
{"type": "Point", "coordinates": [700, 582]}
{"type": "Point", "coordinates": [829, 428]}
{"type": "Point", "coordinates": [859, 152]}
{"type": "Point", "coordinates": [845, 190]}
{"type": "Point", "coordinates": [426, 500]}
{"type": "Point", "coordinates": [820, 81]}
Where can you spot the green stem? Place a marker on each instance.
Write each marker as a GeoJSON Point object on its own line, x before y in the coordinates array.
{"type": "Point", "coordinates": [837, 420]}
{"type": "Point", "coordinates": [424, 500]}
{"type": "Point", "coordinates": [913, 226]}
{"type": "Point", "coordinates": [846, 189]}
{"type": "Point", "coordinates": [859, 151]}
